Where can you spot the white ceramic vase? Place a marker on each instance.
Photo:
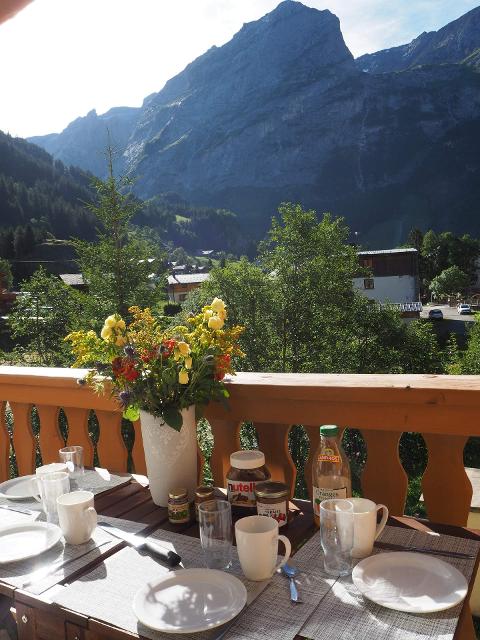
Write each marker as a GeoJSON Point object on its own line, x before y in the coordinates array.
{"type": "Point", "coordinates": [171, 456]}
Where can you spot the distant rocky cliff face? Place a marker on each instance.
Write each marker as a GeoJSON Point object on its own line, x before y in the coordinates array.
{"type": "Point", "coordinates": [283, 112]}
{"type": "Point", "coordinates": [452, 44]}
{"type": "Point", "coordinates": [84, 141]}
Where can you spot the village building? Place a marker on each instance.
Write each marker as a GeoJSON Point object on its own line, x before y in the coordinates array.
{"type": "Point", "coordinates": [179, 284]}
{"type": "Point", "coordinates": [393, 278]}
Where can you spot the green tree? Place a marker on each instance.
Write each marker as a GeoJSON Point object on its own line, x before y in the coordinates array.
{"type": "Point", "coordinates": [45, 312]}
{"type": "Point", "coordinates": [6, 272]}
{"type": "Point", "coordinates": [118, 266]}
{"type": "Point", "coordinates": [468, 363]}
{"type": "Point", "coordinates": [449, 282]}
{"type": "Point", "coordinates": [248, 293]}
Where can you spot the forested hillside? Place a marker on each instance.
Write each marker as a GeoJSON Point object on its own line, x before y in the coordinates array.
{"type": "Point", "coordinates": [40, 196]}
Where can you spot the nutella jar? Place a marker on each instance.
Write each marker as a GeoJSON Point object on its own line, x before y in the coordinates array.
{"type": "Point", "coordinates": [272, 501]}
{"type": "Point", "coordinates": [247, 469]}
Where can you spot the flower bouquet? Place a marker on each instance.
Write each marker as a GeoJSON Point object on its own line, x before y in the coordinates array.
{"type": "Point", "coordinates": [161, 371]}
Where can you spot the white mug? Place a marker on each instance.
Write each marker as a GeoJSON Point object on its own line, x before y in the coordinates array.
{"type": "Point", "coordinates": [54, 467]}
{"type": "Point", "coordinates": [76, 516]}
{"type": "Point", "coordinates": [257, 545]}
{"type": "Point", "coordinates": [365, 527]}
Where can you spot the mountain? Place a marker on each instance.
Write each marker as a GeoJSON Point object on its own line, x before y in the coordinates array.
{"type": "Point", "coordinates": [284, 112]}
{"type": "Point", "coordinates": [83, 142]}
{"type": "Point", "coordinates": [451, 44]}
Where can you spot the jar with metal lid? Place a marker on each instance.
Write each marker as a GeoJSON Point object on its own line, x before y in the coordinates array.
{"type": "Point", "coordinates": [178, 506]}
{"type": "Point", "coordinates": [272, 500]}
{"type": "Point", "coordinates": [247, 468]}
{"type": "Point", "coordinates": [202, 494]}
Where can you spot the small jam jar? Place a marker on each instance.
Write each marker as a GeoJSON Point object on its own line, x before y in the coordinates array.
{"type": "Point", "coordinates": [178, 506]}
{"type": "Point", "coordinates": [247, 469]}
{"type": "Point", "coordinates": [202, 494]}
{"type": "Point", "coordinates": [272, 500]}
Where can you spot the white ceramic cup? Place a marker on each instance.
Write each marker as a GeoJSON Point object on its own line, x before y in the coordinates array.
{"type": "Point", "coordinates": [365, 527]}
{"type": "Point", "coordinates": [257, 545]}
{"type": "Point", "coordinates": [76, 516]}
{"type": "Point", "coordinates": [54, 467]}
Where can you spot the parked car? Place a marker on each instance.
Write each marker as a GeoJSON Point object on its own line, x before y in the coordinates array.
{"type": "Point", "coordinates": [435, 314]}
{"type": "Point", "coordinates": [464, 308]}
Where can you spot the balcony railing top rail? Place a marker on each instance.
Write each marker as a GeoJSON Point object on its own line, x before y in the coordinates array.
{"type": "Point", "coordinates": [444, 409]}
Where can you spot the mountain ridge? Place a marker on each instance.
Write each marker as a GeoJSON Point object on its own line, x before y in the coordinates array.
{"type": "Point", "coordinates": [283, 112]}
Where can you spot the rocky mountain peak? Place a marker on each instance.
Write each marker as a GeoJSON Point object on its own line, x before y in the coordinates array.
{"type": "Point", "coordinates": [449, 45]}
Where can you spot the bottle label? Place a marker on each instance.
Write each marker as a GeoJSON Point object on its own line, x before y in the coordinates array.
{"type": "Point", "coordinates": [241, 494]}
{"type": "Point", "coordinates": [320, 494]}
{"type": "Point", "coordinates": [328, 455]}
{"type": "Point", "coordinates": [276, 511]}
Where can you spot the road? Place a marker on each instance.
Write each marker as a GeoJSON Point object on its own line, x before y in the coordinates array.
{"type": "Point", "coordinates": [453, 322]}
{"type": "Point", "coordinates": [449, 313]}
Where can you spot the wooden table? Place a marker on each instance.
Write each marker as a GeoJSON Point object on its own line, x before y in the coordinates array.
{"type": "Point", "coordinates": [40, 620]}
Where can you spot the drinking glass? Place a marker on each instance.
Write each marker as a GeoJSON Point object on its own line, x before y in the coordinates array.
{"type": "Point", "coordinates": [73, 457]}
{"type": "Point", "coordinates": [47, 488]}
{"type": "Point", "coordinates": [336, 531]}
{"type": "Point", "coordinates": [215, 519]}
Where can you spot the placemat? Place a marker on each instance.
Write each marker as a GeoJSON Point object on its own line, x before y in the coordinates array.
{"type": "Point", "coordinates": [344, 613]}
{"type": "Point", "coordinates": [95, 480]}
{"type": "Point", "coordinates": [16, 574]}
{"type": "Point", "coordinates": [107, 592]}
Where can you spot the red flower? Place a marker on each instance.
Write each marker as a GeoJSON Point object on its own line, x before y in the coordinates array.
{"type": "Point", "coordinates": [222, 365]}
{"type": "Point", "coordinates": [150, 354]}
{"type": "Point", "coordinates": [117, 366]}
{"type": "Point", "coordinates": [167, 348]}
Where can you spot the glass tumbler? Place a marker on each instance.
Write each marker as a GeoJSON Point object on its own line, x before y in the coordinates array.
{"type": "Point", "coordinates": [336, 531]}
{"type": "Point", "coordinates": [215, 521]}
{"type": "Point", "coordinates": [49, 487]}
{"type": "Point", "coordinates": [73, 458]}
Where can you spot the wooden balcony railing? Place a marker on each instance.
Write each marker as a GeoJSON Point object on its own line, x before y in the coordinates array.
{"type": "Point", "coordinates": [444, 409]}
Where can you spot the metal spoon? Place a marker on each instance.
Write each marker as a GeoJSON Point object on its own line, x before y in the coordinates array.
{"type": "Point", "coordinates": [290, 572]}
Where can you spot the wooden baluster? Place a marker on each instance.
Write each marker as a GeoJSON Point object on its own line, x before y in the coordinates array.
{"type": "Point", "coordinates": [50, 437]}
{"type": "Point", "coordinates": [4, 446]}
{"type": "Point", "coordinates": [273, 441]}
{"type": "Point", "coordinates": [111, 448]}
{"type": "Point", "coordinates": [384, 479]}
{"type": "Point", "coordinates": [447, 491]}
{"type": "Point", "coordinates": [314, 437]}
{"type": "Point", "coordinates": [78, 432]}
{"type": "Point", "coordinates": [138, 453]}
{"type": "Point", "coordinates": [23, 438]}
{"type": "Point", "coordinates": [226, 434]}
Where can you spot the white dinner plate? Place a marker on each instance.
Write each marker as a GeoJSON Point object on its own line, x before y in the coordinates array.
{"type": "Point", "coordinates": [410, 582]}
{"type": "Point", "coordinates": [21, 541]}
{"type": "Point", "coordinates": [17, 488]}
{"type": "Point", "coordinates": [190, 600]}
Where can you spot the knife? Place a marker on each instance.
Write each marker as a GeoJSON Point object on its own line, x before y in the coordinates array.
{"type": "Point", "coordinates": [169, 557]}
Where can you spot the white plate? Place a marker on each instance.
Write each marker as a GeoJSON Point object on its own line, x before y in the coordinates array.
{"type": "Point", "coordinates": [410, 582]}
{"type": "Point", "coordinates": [17, 488]}
{"type": "Point", "coordinates": [21, 541]}
{"type": "Point", "coordinates": [190, 600]}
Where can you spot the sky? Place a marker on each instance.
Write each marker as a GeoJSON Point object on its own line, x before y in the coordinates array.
{"type": "Point", "coordinates": [61, 58]}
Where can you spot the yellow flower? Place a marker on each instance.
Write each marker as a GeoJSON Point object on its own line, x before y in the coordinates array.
{"type": "Point", "coordinates": [121, 341]}
{"type": "Point", "coordinates": [215, 322]}
{"type": "Point", "coordinates": [183, 376]}
{"type": "Point", "coordinates": [208, 314]}
{"type": "Point", "coordinates": [120, 325]}
{"type": "Point", "coordinates": [183, 348]}
{"type": "Point", "coordinates": [218, 305]}
{"type": "Point", "coordinates": [110, 321]}
{"type": "Point", "coordinates": [188, 363]}
{"type": "Point", "coordinates": [106, 332]}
